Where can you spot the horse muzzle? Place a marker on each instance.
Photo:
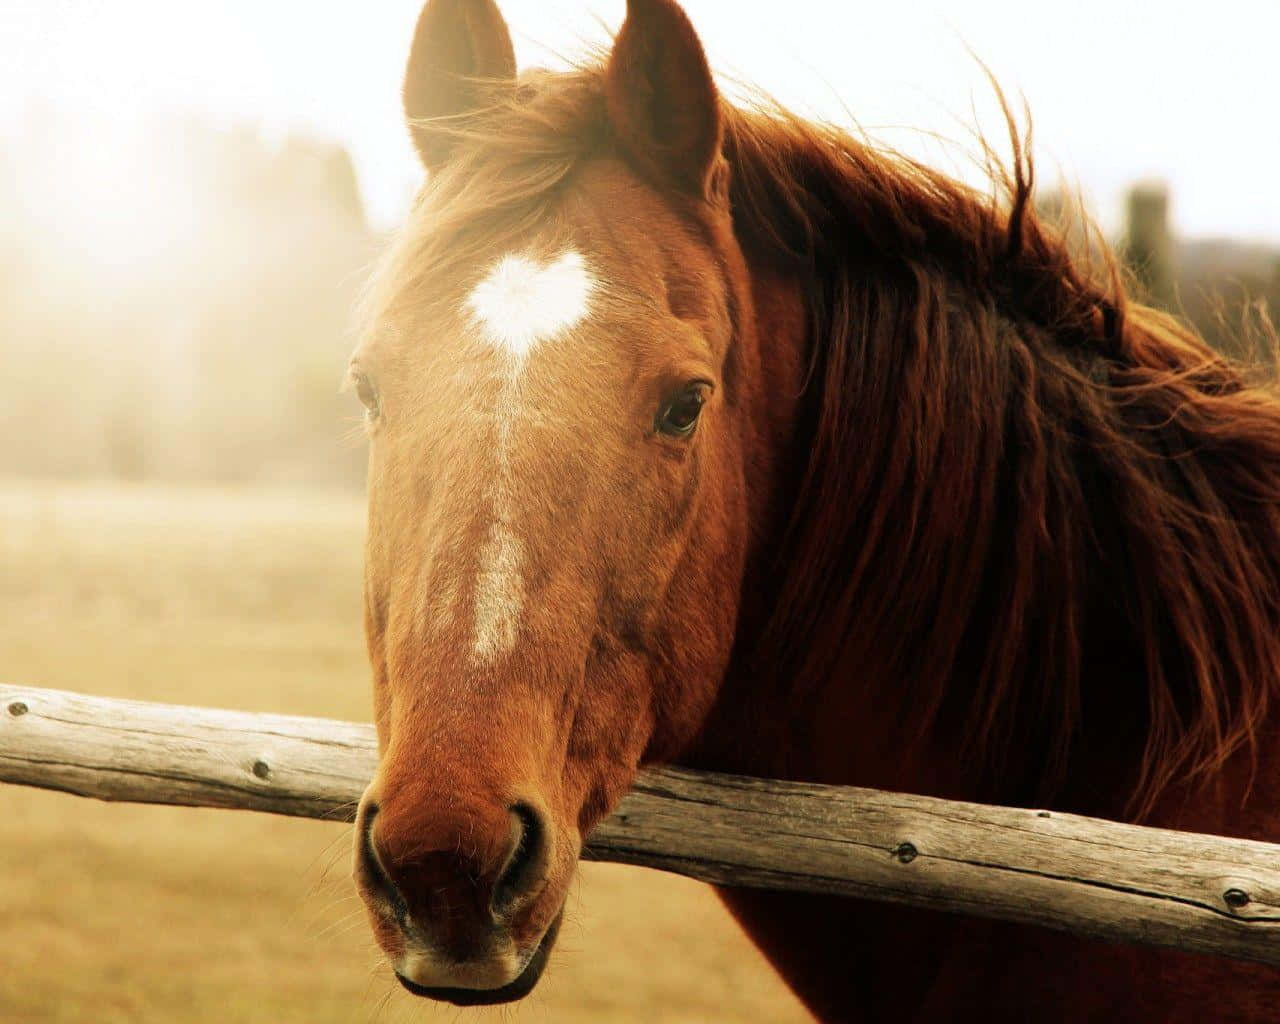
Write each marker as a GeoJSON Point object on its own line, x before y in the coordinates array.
{"type": "Point", "coordinates": [413, 965]}
{"type": "Point", "coordinates": [460, 902]}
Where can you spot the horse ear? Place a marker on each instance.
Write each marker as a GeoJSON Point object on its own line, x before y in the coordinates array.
{"type": "Point", "coordinates": [661, 99]}
{"type": "Point", "coordinates": [461, 50]}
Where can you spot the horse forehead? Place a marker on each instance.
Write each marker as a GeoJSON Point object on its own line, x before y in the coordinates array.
{"type": "Point", "coordinates": [523, 300]}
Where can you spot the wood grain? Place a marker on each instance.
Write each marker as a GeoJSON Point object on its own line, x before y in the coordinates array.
{"type": "Point", "coordinates": [1099, 878]}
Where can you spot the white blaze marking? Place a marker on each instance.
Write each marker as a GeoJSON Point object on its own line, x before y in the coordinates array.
{"type": "Point", "coordinates": [519, 304]}
{"type": "Point", "coordinates": [499, 593]}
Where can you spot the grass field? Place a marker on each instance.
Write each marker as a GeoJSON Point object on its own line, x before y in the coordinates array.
{"type": "Point", "coordinates": [113, 913]}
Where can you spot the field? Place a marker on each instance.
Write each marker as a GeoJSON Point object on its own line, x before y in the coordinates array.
{"type": "Point", "coordinates": [113, 913]}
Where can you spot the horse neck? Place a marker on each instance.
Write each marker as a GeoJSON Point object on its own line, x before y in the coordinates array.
{"type": "Point", "coordinates": [1078, 680]}
{"type": "Point", "coordinates": [757, 726]}
{"type": "Point", "coordinates": [988, 565]}
{"type": "Point", "coordinates": [853, 723]}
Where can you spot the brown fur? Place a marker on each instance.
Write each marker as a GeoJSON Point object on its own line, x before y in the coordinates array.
{"type": "Point", "coordinates": [963, 519]}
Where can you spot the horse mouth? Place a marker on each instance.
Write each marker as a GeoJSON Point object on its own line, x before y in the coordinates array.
{"type": "Point", "coordinates": [508, 993]}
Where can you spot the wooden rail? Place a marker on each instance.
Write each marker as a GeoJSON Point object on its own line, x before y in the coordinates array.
{"type": "Point", "coordinates": [1098, 878]}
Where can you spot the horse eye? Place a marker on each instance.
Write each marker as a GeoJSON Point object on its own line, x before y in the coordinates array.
{"type": "Point", "coordinates": [366, 392]}
{"type": "Point", "coordinates": [679, 415]}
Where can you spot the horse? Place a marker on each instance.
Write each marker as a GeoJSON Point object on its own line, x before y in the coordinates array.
{"type": "Point", "coordinates": [704, 434]}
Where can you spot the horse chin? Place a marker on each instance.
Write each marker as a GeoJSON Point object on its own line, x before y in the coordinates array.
{"type": "Point", "coordinates": [508, 993]}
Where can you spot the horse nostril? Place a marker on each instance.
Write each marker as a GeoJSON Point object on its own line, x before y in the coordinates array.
{"type": "Point", "coordinates": [526, 863]}
{"type": "Point", "coordinates": [377, 873]}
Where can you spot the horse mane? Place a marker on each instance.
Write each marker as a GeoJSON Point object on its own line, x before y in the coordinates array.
{"type": "Point", "coordinates": [1035, 512]}
{"type": "Point", "coordinates": [1040, 514]}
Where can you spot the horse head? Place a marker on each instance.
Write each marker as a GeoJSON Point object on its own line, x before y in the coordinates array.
{"type": "Point", "coordinates": [561, 404]}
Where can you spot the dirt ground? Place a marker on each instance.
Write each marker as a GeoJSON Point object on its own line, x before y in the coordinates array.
{"type": "Point", "coordinates": [113, 913]}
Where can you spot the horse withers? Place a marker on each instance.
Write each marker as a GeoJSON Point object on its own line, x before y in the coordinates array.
{"type": "Point", "coordinates": [714, 436]}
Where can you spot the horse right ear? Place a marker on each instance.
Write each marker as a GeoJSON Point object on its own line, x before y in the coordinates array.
{"type": "Point", "coordinates": [461, 51]}
{"type": "Point", "coordinates": [661, 98]}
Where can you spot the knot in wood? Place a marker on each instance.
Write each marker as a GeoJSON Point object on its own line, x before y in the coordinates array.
{"type": "Point", "coordinates": [261, 769]}
{"type": "Point", "coordinates": [17, 708]}
{"type": "Point", "coordinates": [905, 853]}
{"type": "Point", "coordinates": [1235, 898]}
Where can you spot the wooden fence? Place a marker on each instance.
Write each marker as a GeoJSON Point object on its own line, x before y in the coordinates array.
{"type": "Point", "coordinates": [1098, 878]}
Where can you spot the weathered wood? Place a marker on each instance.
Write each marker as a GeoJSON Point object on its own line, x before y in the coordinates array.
{"type": "Point", "coordinates": [1099, 878]}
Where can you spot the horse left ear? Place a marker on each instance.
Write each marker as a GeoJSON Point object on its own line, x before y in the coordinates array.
{"type": "Point", "coordinates": [661, 99]}
{"type": "Point", "coordinates": [461, 54]}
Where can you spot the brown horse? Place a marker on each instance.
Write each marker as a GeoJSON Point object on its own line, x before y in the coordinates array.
{"type": "Point", "coordinates": [719, 437]}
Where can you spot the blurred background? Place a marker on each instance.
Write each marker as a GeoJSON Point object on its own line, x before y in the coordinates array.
{"type": "Point", "coordinates": [190, 197]}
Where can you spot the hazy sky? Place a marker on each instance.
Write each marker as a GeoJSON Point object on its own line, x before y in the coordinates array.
{"type": "Point", "coordinates": [1119, 89]}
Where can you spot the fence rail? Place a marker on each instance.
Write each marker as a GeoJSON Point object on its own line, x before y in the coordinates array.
{"type": "Point", "coordinates": [1098, 878]}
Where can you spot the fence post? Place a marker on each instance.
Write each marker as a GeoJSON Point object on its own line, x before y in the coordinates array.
{"type": "Point", "coordinates": [1148, 244]}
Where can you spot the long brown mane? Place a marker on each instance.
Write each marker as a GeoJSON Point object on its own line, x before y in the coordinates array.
{"type": "Point", "coordinates": [1039, 512]}
{"type": "Point", "coordinates": [1029, 510]}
